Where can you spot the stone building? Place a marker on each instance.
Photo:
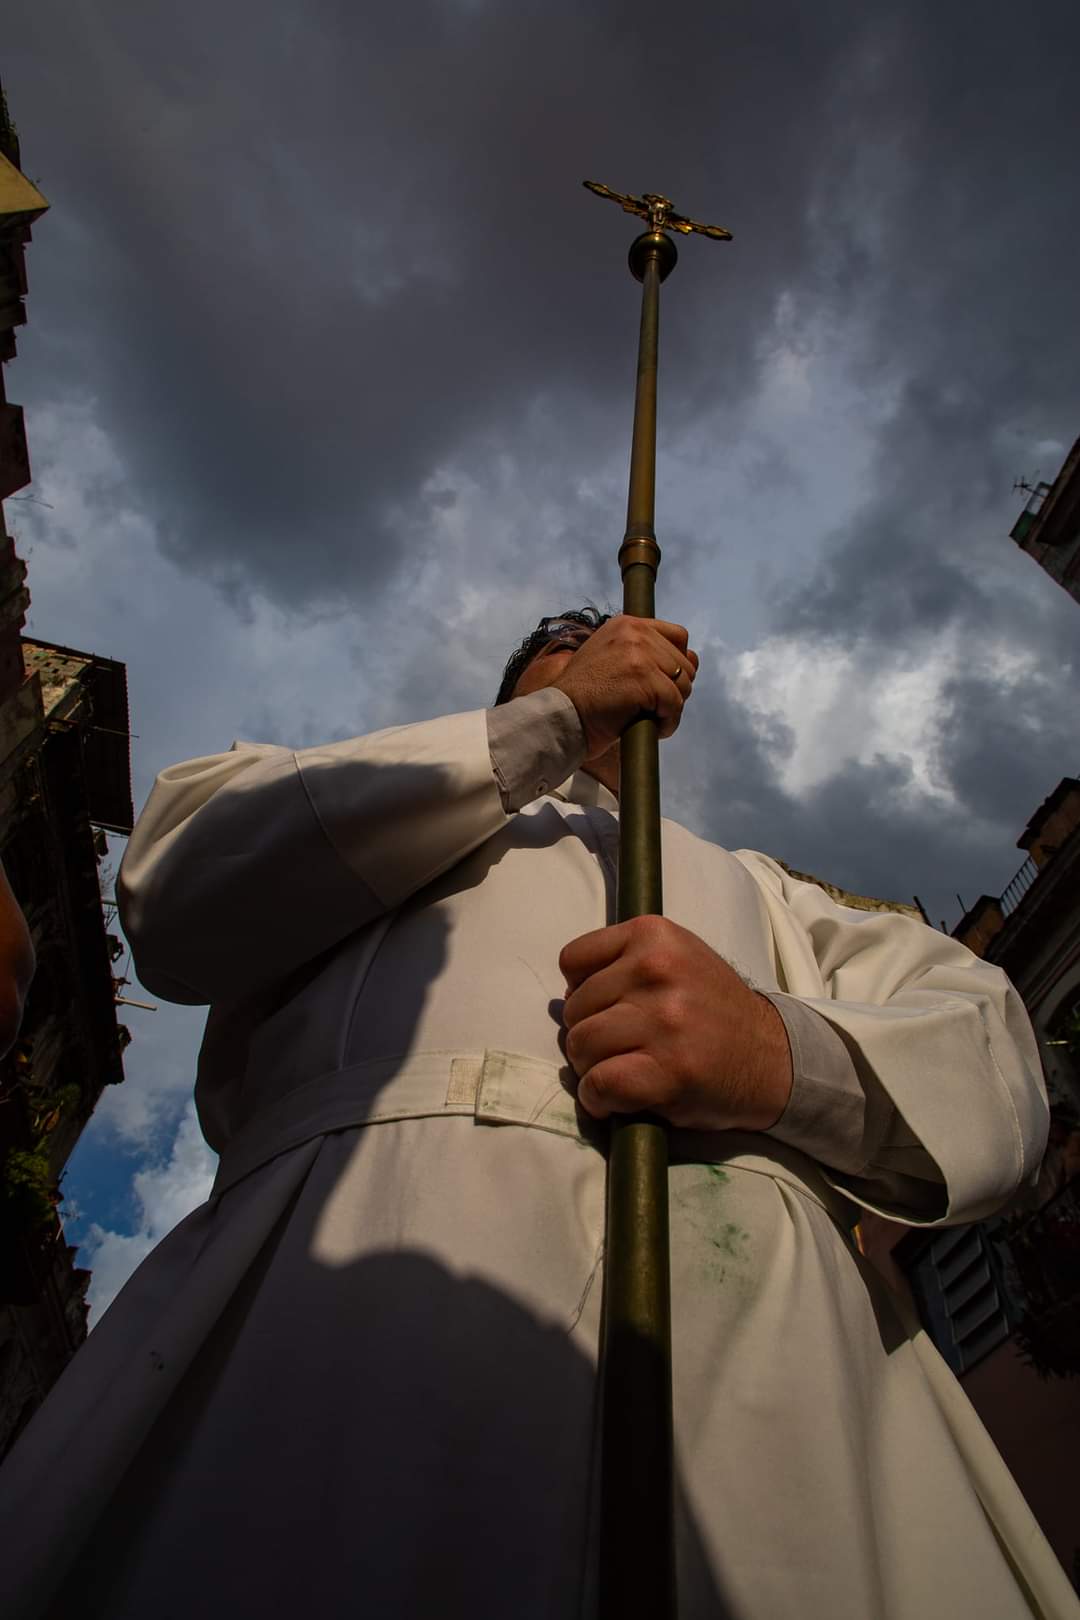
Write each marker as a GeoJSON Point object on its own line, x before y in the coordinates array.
{"type": "Point", "coordinates": [1048, 528]}
{"type": "Point", "coordinates": [65, 780]}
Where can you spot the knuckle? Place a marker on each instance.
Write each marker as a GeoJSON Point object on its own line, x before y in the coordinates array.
{"type": "Point", "coordinates": [648, 929]}
{"type": "Point", "coordinates": [655, 967]}
{"type": "Point", "coordinates": [673, 1011]}
{"type": "Point", "coordinates": [576, 1050]}
{"type": "Point", "coordinates": [600, 1084]}
{"type": "Point", "coordinates": [664, 1021]}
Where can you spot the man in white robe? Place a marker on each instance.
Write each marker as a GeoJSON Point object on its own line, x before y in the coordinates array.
{"type": "Point", "coordinates": [359, 1380]}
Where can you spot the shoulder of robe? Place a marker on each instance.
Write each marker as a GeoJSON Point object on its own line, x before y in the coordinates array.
{"type": "Point", "coordinates": [769, 873]}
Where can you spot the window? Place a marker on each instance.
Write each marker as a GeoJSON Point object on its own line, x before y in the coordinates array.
{"type": "Point", "coordinates": [957, 1281]}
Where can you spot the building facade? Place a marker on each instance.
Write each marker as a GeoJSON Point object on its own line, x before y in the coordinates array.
{"type": "Point", "coordinates": [1048, 528]}
{"type": "Point", "coordinates": [65, 780]}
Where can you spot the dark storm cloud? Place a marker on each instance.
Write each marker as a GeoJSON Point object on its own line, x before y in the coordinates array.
{"type": "Point", "coordinates": [324, 257]}
{"type": "Point", "coordinates": [306, 264]}
{"type": "Point", "coordinates": [953, 267]}
{"type": "Point", "coordinates": [922, 566]}
{"type": "Point", "coordinates": [952, 272]}
{"type": "Point", "coordinates": [1003, 745]}
{"type": "Point", "coordinates": [867, 831]}
{"type": "Point", "coordinates": [899, 568]}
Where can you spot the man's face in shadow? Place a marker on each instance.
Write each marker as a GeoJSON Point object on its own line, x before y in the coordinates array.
{"type": "Point", "coordinates": [545, 668]}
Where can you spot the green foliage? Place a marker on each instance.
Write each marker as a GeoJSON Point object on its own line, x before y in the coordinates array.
{"type": "Point", "coordinates": [47, 1108]}
{"type": "Point", "coordinates": [28, 1192]}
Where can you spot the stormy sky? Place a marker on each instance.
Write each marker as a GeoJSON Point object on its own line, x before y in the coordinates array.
{"type": "Point", "coordinates": [328, 389]}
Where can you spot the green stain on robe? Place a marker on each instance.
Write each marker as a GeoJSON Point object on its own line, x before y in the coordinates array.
{"type": "Point", "coordinates": [701, 1196]}
{"type": "Point", "coordinates": [728, 1242]}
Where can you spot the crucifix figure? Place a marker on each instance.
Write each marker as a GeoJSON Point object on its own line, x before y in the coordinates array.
{"type": "Point", "coordinates": [659, 211]}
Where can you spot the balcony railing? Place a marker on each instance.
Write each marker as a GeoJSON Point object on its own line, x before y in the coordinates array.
{"type": "Point", "coordinates": [1018, 886]}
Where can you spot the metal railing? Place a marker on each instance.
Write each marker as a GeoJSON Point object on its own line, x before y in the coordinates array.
{"type": "Point", "coordinates": [1018, 886]}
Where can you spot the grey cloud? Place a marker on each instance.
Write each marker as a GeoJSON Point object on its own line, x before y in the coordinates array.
{"type": "Point", "coordinates": [861, 831]}
{"type": "Point", "coordinates": [321, 261]}
{"type": "Point", "coordinates": [870, 827]}
{"type": "Point", "coordinates": [306, 269]}
{"type": "Point", "coordinates": [951, 269]}
{"type": "Point", "coordinates": [864, 830]}
{"type": "Point", "coordinates": [1002, 745]}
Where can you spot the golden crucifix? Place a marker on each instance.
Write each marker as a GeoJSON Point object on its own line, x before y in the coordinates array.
{"type": "Point", "coordinates": [637, 1547]}
{"type": "Point", "coordinates": [659, 211]}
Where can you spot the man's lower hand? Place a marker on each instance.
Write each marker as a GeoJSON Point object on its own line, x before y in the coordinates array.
{"type": "Point", "coordinates": [658, 1023]}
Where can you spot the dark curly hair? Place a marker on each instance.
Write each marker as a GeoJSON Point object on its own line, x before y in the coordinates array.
{"type": "Point", "coordinates": [518, 662]}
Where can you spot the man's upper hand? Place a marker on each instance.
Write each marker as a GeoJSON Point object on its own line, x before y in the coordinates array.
{"type": "Point", "coordinates": [658, 1023]}
{"type": "Point", "coordinates": [627, 668]}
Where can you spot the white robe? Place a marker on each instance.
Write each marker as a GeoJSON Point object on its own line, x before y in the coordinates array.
{"type": "Point", "coordinates": [359, 1380]}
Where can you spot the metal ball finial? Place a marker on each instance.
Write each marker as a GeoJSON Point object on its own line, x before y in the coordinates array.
{"type": "Point", "coordinates": [652, 245]}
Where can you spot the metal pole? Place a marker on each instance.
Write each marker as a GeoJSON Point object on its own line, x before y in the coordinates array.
{"type": "Point", "coordinates": [637, 1542]}
{"type": "Point", "coordinates": [637, 1554]}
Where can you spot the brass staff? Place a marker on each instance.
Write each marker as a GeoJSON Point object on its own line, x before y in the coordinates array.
{"type": "Point", "coordinates": [637, 1553]}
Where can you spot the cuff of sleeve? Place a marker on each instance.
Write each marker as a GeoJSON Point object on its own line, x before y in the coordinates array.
{"type": "Point", "coordinates": [535, 742]}
{"type": "Point", "coordinates": [826, 1114]}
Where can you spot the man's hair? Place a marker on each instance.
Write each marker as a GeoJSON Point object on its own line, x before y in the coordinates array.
{"type": "Point", "coordinates": [519, 661]}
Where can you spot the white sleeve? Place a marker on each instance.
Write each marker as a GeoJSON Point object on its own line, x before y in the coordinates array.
{"type": "Point", "coordinates": [918, 1085]}
{"type": "Point", "coordinates": [536, 742]}
{"type": "Point", "coordinates": [244, 865]}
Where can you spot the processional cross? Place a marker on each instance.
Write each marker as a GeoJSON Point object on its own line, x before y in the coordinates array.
{"type": "Point", "coordinates": [659, 211]}
{"type": "Point", "coordinates": [637, 1553]}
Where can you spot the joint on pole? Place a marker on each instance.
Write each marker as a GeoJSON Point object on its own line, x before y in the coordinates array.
{"type": "Point", "coordinates": [640, 548]}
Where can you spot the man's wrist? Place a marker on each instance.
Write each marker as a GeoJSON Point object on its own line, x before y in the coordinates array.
{"type": "Point", "coordinates": [827, 1115]}
{"type": "Point", "coordinates": [774, 1071]}
{"type": "Point", "coordinates": [536, 742]}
